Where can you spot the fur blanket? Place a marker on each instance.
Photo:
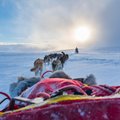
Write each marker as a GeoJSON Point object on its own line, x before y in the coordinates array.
{"type": "Point", "coordinates": [22, 84]}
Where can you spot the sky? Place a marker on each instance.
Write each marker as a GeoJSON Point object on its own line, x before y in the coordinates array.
{"type": "Point", "coordinates": [50, 23]}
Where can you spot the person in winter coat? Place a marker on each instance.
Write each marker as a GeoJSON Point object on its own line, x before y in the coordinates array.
{"type": "Point", "coordinates": [76, 50]}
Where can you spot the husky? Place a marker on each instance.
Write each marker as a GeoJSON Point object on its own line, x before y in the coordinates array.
{"type": "Point", "coordinates": [38, 67]}
{"type": "Point", "coordinates": [57, 65]}
{"type": "Point", "coordinates": [47, 59]}
{"type": "Point", "coordinates": [63, 58]}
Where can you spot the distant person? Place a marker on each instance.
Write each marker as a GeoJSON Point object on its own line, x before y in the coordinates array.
{"type": "Point", "coordinates": [76, 50]}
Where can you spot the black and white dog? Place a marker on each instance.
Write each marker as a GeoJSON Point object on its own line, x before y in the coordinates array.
{"type": "Point", "coordinates": [57, 65]}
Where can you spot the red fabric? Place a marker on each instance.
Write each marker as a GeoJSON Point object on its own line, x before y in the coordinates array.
{"type": "Point", "coordinates": [52, 84]}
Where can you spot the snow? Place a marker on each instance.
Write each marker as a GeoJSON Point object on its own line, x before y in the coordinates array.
{"type": "Point", "coordinates": [104, 65]}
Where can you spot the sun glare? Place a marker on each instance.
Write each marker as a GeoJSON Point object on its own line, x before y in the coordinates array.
{"type": "Point", "coordinates": [83, 34]}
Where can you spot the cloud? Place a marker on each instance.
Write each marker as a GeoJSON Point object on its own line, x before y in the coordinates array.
{"type": "Point", "coordinates": [50, 22]}
{"type": "Point", "coordinates": [111, 26]}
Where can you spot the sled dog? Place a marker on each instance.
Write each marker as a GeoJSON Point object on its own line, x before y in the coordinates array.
{"type": "Point", "coordinates": [38, 67]}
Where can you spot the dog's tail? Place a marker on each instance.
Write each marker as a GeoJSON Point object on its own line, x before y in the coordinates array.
{"type": "Point", "coordinates": [32, 69]}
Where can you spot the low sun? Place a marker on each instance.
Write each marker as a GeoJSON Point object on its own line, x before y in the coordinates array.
{"type": "Point", "coordinates": [83, 34]}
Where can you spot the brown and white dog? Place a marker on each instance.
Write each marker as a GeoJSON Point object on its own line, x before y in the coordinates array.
{"type": "Point", "coordinates": [38, 67]}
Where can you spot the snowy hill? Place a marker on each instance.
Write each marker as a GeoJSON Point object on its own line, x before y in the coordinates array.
{"type": "Point", "coordinates": [109, 49]}
{"type": "Point", "coordinates": [22, 47]}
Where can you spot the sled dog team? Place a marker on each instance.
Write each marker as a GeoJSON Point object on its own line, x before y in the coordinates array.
{"type": "Point", "coordinates": [57, 61]}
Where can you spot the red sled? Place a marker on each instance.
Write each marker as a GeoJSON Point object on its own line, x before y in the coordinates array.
{"type": "Point", "coordinates": [68, 102]}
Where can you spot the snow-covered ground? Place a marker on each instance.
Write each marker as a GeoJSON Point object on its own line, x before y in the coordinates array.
{"type": "Point", "coordinates": [104, 65]}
